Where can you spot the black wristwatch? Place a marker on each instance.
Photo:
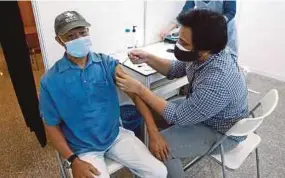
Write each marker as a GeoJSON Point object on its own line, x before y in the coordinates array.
{"type": "Point", "coordinates": [68, 162]}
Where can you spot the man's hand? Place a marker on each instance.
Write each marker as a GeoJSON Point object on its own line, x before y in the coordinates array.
{"type": "Point", "coordinates": [127, 83]}
{"type": "Point", "coordinates": [158, 146]}
{"type": "Point", "coordinates": [138, 56]}
{"type": "Point", "coordinates": [83, 169]}
{"type": "Point", "coordinates": [164, 33]}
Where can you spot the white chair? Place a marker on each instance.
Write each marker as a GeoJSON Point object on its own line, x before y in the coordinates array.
{"type": "Point", "coordinates": [67, 173]}
{"type": "Point", "coordinates": [245, 70]}
{"type": "Point", "coordinates": [234, 158]}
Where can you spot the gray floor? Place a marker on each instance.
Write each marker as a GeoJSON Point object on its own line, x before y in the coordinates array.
{"type": "Point", "coordinates": [20, 153]}
{"type": "Point", "coordinates": [272, 132]}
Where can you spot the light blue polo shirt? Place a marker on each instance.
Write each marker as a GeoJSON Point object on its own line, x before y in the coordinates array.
{"type": "Point", "coordinates": [83, 102]}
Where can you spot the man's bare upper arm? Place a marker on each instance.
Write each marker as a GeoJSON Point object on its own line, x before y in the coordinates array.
{"type": "Point", "coordinates": [120, 70]}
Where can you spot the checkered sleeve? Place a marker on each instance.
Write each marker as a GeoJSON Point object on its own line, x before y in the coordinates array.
{"type": "Point", "coordinates": [208, 99]}
{"type": "Point", "coordinates": [177, 69]}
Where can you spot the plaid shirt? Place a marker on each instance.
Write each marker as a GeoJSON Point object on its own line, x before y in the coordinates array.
{"type": "Point", "coordinates": [218, 96]}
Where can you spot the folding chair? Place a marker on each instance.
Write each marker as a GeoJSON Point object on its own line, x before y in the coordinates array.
{"type": "Point", "coordinates": [113, 167]}
{"type": "Point", "coordinates": [245, 70]}
{"type": "Point", "coordinates": [234, 158]}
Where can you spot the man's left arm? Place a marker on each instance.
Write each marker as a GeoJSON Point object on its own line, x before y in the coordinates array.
{"type": "Point", "coordinates": [209, 98]}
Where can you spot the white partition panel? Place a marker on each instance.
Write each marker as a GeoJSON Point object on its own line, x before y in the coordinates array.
{"type": "Point", "coordinates": [108, 20]}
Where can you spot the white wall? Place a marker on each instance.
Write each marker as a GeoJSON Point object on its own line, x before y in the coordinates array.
{"type": "Point", "coordinates": [260, 23]}
{"type": "Point", "coordinates": [159, 14]}
{"type": "Point", "coordinates": [108, 21]}
{"type": "Point", "coordinates": [261, 32]}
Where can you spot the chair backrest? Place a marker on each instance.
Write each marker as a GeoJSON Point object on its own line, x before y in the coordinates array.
{"type": "Point", "coordinates": [248, 125]}
{"type": "Point", "coordinates": [32, 41]}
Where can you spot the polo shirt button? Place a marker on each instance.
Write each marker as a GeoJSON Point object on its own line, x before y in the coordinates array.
{"type": "Point", "coordinates": [85, 81]}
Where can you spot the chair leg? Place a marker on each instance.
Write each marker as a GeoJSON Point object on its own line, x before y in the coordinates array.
{"type": "Point", "coordinates": [223, 161]}
{"type": "Point", "coordinates": [197, 159]}
{"type": "Point", "coordinates": [193, 162]}
{"type": "Point", "coordinates": [253, 91]}
{"type": "Point", "coordinates": [35, 57]}
{"type": "Point", "coordinates": [257, 162]}
{"type": "Point", "coordinates": [62, 172]}
{"type": "Point", "coordinates": [190, 164]}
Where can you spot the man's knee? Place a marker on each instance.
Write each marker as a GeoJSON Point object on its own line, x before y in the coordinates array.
{"type": "Point", "coordinates": [159, 170]}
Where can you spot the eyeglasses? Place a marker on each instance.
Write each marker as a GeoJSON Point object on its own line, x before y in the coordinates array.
{"type": "Point", "coordinates": [76, 33]}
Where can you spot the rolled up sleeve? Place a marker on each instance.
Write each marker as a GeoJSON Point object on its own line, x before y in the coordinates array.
{"type": "Point", "coordinates": [111, 64]}
{"type": "Point", "coordinates": [47, 108]}
{"type": "Point", "coordinates": [177, 70]}
{"type": "Point", "coordinates": [205, 102]}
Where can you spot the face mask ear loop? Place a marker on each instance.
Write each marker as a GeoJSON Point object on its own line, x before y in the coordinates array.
{"type": "Point", "coordinates": [60, 39]}
{"type": "Point", "coordinates": [181, 47]}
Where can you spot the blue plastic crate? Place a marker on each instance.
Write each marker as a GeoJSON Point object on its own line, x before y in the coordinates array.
{"type": "Point", "coordinates": [131, 119]}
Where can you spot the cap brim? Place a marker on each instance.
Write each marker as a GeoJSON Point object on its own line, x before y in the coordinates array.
{"type": "Point", "coordinates": [73, 25]}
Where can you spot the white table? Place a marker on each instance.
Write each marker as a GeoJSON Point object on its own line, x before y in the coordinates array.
{"type": "Point", "coordinates": [149, 77]}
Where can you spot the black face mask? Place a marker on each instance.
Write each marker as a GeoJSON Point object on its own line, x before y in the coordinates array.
{"type": "Point", "coordinates": [185, 56]}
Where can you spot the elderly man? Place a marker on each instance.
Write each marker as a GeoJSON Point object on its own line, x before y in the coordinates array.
{"type": "Point", "coordinates": [80, 108]}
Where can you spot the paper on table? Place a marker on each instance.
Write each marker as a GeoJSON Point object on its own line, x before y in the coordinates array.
{"type": "Point", "coordinates": [158, 49]}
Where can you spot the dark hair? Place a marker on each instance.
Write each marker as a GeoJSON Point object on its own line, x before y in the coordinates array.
{"type": "Point", "coordinates": [209, 29]}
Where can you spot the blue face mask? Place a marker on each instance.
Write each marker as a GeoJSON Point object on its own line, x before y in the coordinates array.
{"type": "Point", "coordinates": [79, 47]}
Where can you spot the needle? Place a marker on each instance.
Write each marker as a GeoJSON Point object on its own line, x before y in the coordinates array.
{"type": "Point", "coordinates": [125, 60]}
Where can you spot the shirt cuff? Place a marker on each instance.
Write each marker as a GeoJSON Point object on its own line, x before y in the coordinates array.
{"type": "Point", "coordinates": [169, 112]}
{"type": "Point", "coordinates": [51, 122]}
{"type": "Point", "coordinates": [171, 73]}
{"type": "Point", "coordinates": [117, 62]}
